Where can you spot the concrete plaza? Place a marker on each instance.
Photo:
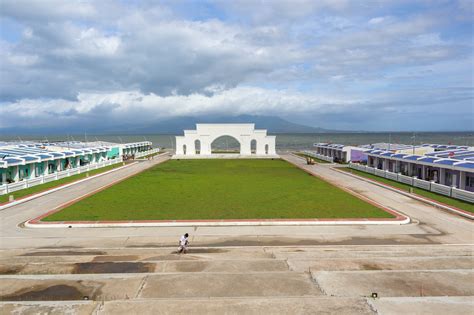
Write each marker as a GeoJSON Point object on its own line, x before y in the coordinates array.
{"type": "Point", "coordinates": [421, 267]}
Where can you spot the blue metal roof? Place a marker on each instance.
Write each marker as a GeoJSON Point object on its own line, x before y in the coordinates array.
{"type": "Point", "coordinates": [412, 157]}
{"type": "Point", "coordinates": [30, 158]}
{"type": "Point", "coordinates": [446, 162]}
{"type": "Point", "coordinates": [428, 159]}
{"type": "Point", "coordinates": [465, 165]}
{"type": "Point", "coordinates": [56, 154]}
{"type": "Point", "coordinates": [11, 161]}
{"type": "Point", "coordinates": [399, 155]}
{"type": "Point", "coordinates": [386, 154]}
{"type": "Point", "coordinates": [45, 156]}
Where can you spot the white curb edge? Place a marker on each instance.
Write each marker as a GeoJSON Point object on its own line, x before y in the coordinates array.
{"type": "Point", "coordinates": [213, 223]}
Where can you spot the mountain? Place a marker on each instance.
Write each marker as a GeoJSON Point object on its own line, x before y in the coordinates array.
{"type": "Point", "coordinates": [167, 126]}
{"type": "Point", "coordinates": [176, 125]}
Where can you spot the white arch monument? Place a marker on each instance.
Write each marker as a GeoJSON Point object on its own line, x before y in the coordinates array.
{"type": "Point", "coordinates": [205, 134]}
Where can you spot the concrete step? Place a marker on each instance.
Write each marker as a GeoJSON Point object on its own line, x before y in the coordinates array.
{"type": "Point", "coordinates": [280, 305]}
{"type": "Point", "coordinates": [123, 266]}
{"type": "Point", "coordinates": [401, 251]}
{"type": "Point", "coordinates": [377, 263]}
{"type": "Point", "coordinates": [396, 283]}
{"type": "Point", "coordinates": [128, 254]}
{"type": "Point", "coordinates": [424, 305]}
{"type": "Point", "coordinates": [172, 285]}
{"type": "Point", "coordinates": [257, 306]}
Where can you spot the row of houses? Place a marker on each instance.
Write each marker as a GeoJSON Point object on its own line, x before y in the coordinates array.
{"type": "Point", "coordinates": [28, 160]}
{"type": "Point", "coordinates": [449, 165]}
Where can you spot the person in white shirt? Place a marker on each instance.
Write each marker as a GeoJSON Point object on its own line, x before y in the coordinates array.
{"type": "Point", "coordinates": [183, 244]}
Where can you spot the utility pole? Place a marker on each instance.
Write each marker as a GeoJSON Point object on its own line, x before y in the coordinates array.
{"type": "Point", "coordinates": [414, 143]}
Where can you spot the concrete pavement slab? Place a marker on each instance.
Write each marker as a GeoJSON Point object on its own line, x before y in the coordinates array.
{"type": "Point", "coordinates": [424, 305]}
{"type": "Point", "coordinates": [51, 308]}
{"type": "Point", "coordinates": [238, 306]}
{"type": "Point", "coordinates": [393, 263]}
{"type": "Point", "coordinates": [396, 283]}
{"type": "Point", "coordinates": [229, 285]}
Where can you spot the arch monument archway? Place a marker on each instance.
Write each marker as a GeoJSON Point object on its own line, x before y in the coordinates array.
{"type": "Point", "coordinates": [243, 133]}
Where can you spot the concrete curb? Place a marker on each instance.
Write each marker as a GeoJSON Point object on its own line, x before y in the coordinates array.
{"type": "Point", "coordinates": [413, 196]}
{"type": "Point", "coordinates": [202, 223]}
{"type": "Point", "coordinates": [49, 191]}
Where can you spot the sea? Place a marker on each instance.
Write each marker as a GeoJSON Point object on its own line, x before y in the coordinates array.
{"type": "Point", "coordinates": [284, 141]}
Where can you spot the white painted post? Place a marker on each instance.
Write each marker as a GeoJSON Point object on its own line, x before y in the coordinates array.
{"type": "Point", "coordinates": [16, 174]}
{"type": "Point", "coordinates": [462, 180]}
{"type": "Point", "coordinates": [442, 176]}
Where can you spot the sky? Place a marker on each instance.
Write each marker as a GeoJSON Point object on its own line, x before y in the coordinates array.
{"type": "Point", "coordinates": [402, 65]}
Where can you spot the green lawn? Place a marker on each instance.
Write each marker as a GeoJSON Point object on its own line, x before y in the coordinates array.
{"type": "Point", "coordinates": [312, 157]}
{"type": "Point", "coordinates": [220, 189]}
{"type": "Point", "coordinates": [39, 188]}
{"type": "Point", "coordinates": [425, 193]}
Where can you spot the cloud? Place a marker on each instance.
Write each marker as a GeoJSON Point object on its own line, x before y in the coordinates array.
{"type": "Point", "coordinates": [128, 105]}
{"type": "Point", "coordinates": [93, 61]}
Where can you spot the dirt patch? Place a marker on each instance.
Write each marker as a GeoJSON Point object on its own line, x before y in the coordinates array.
{"type": "Point", "coordinates": [60, 247]}
{"type": "Point", "coordinates": [113, 267]}
{"type": "Point", "coordinates": [10, 270]}
{"type": "Point", "coordinates": [115, 258]}
{"type": "Point", "coordinates": [169, 257]}
{"type": "Point", "coordinates": [206, 250]}
{"type": "Point", "coordinates": [370, 266]}
{"type": "Point", "coordinates": [301, 242]}
{"type": "Point", "coordinates": [60, 292]}
{"type": "Point", "coordinates": [64, 253]}
{"type": "Point", "coordinates": [191, 266]}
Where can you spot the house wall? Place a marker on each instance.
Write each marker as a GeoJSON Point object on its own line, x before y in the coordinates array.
{"type": "Point", "coordinates": [358, 156]}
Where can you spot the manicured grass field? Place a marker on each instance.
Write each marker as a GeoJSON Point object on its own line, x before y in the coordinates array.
{"type": "Point", "coordinates": [424, 193]}
{"type": "Point", "coordinates": [40, 188]}
{"type": "Point", "coordinates": [220, 189]}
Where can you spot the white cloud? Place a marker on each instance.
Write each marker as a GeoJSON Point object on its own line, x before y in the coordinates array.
{"type": "Point", "coordinates": [79, 60]}
{"type": "Point", "coordinates": [152, 107]}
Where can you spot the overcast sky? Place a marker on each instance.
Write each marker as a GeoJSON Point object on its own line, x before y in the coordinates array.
{"type": "Point", "coordinates": [353, 65]}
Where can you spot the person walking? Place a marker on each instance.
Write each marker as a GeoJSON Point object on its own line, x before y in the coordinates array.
{"type": "Point", "coordinates": [183, 244]}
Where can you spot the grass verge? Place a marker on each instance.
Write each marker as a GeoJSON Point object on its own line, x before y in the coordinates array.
{"type": "Point", "coordinates": [405, 187]}
{"type": "Point", "coordinates": [220, 189]}
{"type": "Point", "coordinates": [40, 188]}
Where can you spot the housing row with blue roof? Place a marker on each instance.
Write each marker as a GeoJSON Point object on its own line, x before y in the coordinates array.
{"type": "Point", "coordinates": [28, 160]}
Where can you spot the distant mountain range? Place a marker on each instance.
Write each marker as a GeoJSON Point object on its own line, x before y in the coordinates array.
{"type": "Point", "coordinates": [272, 123]}
{"type": "Point", "coordinates": [171, 126]}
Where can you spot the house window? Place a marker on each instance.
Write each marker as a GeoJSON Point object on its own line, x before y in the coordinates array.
{"type": "Point", "coordinates": [469, 181]}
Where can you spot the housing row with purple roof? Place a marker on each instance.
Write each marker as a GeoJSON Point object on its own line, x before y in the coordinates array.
{"type": "Point", "coordinates": [453, 168]}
